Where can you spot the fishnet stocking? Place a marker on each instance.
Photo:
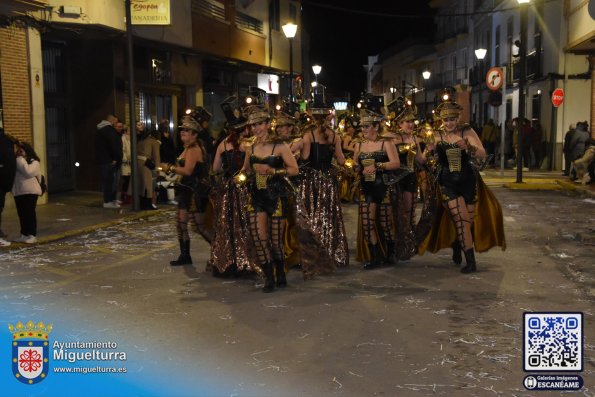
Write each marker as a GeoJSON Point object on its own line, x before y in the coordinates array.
{"type": "Point", "coordinates": [462, 221]}
{"type": "Point", "coordinates": [258, 230]}
{"type": "Point", "coordinates": [182, 225]}
{"type": "Point", "coordinates": [277, 229]}
{"type": "Point", "coordinates": [367, 213]}
{"type": "Point", "coordinates": [386, 215]}
{"type": "Point", "coordinates": [200, 228]}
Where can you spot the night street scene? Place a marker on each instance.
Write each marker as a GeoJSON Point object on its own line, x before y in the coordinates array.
{"type": "Point", "coordinates": [297, 198]}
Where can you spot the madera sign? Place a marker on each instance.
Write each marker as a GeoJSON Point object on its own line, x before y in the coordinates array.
{"type": "Point", "coordinates": [557, 97]}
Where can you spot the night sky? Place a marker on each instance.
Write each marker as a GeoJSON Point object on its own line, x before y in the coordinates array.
{"type": "Point", "coordinates": [342, 35]}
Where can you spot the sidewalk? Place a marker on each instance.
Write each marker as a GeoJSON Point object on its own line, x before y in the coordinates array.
{"type": "Point", "coordinates": [536, 180]}
{"type": "Point", "coordinates": [73, 213]}
{"type": "Point", "coordinates": [69, 214]}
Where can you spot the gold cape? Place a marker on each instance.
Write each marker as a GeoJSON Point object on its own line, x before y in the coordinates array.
{"type": "Point", "coordinates": [488, 227]}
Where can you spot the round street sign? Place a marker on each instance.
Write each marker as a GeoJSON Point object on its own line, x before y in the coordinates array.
{"type": "Point", "coordinates": [494, 78]}
{"type": "Point", "coordinates": [557, 97]}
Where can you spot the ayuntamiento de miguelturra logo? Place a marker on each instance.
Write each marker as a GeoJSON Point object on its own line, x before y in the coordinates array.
{"type": "Point", "coordinates": [30, 351]}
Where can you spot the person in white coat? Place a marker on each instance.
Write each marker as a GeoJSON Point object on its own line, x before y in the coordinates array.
{"type": "Point", "coordinates": [26, 189]}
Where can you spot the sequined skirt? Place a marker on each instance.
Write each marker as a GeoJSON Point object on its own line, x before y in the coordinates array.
{"type": "Point", "coordinates": [321, 208]}
{"type": "Point", "coordinates": [231, 243]}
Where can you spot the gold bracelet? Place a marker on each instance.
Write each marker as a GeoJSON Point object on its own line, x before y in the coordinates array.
{"type": "Point", "coordinates": [380, 166]}
{"type": "Point", "coordinates": [280, 171]}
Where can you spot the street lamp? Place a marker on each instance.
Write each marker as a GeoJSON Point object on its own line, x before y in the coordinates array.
{"type": "Point", "coordinates": [393, 90]}
{"type": "Point", "coordinates": [426, 75]}
{"type": "Point", "coordinates": [480, 54]}
{"type": "Point", "coordinates": [290, 29]}
{"type": "Point", "coordinates": [522, 79]}
{"type": "Point", "coordinates": [316, 69]}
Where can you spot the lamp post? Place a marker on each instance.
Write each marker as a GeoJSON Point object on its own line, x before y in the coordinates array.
{"type": "Point", "coordinates": [393, 90]}
{"type": "Point", "coordinates": [524, 4]}
{"type": "Point", "coordinates": [316, 69]}
{"type": "Point", "coordinates": [480, 54]}
{"type": "Point", "coordinates": [426, 75]}
{"type": "Point", "coordinates": [290, 29]}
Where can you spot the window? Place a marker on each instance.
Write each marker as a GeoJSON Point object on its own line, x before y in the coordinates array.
{"type": "Point", "coordinates": [497, 47]}
{"type": "Point", "coordinates": [509, 24]}
{"type": "Point", "coordinates": [274, 15]}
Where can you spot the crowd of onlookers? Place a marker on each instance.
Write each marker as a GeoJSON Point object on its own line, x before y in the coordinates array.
{"type": "Point", "coordinates": [114, 158]}
{"type": "Point", "coordinates": [579, 147]}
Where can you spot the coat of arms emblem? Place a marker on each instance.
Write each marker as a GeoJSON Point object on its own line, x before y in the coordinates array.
{"type": "Point", "coordinates": [30, 351]}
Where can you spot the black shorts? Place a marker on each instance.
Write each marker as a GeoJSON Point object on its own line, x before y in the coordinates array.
{"type": "Point", "coordinates": [186, 197]}
{"type": "Point", "coordinates": [458, 184]}
{"type": "Point", "coordinates": [373, 192]}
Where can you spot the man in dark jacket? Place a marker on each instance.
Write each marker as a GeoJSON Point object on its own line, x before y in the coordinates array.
{"type": "Point", "coordinates": [108, 148]}
{"type": "Point", "coordinates": [566, 149]}
{"type": "Point", "coordinates": [8, 168]}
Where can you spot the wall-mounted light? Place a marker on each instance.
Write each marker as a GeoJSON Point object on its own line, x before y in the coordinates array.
{"type": "Point", "coordinates": [426, 74]}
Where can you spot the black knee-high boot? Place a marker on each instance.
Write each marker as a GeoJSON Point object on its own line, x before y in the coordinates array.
{"type": "Point", "coordinates": [375, 260]}
{"type": "Point", "coordinates": [184, 258]}
{"type": "Point", "coordinates": [457, 257]}
{"type": "Point", "coordinates": [269, 278]}
{"type": "Point", "coordinates": [391, 254]}
{"type": "Point", "coordinates": [470, 260]}
{"type": "Point", "coordinates": [280, 273]}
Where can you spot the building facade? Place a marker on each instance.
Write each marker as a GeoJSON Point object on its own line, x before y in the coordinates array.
{"type": "Point", "coordinates": [74, 63]}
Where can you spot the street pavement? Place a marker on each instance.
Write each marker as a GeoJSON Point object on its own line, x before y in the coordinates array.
{"type": "Point", "coordinates": [420, 328]}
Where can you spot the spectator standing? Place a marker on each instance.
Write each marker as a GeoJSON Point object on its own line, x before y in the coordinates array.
{"type": "Point", "coordinates": [537, 142]}
{"type": "Point", "coordinates": [579, 142]}
{"type": "Point", "coordinates": [167, 149]}
{"type": "Point", "coordinates": [7, 173]}
{"type": "Point", "coordinates": [108, 147]}
{"type": "Point", "coordinates": [147, 157]}
{"type": "Point", "coordinates": [26, 190]}
{"type": "Point", "coordinates": [489, 134]}
{"type": "Point", "coordinates": [566, 148]}
{"type": "Point", "coordinates": [126, 168]}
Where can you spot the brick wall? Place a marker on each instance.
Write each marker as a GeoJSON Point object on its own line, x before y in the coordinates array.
{"type": "Point", "coordinates": [14, 76]}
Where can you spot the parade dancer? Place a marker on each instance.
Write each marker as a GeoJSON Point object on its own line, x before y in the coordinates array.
{"type": "Point", "coordinates": [229, 250]}
{"type": "Point", "coordinates": [192, 189]}
{"type": "Point", "coordinates": [459, 186]}
{"type": "Point", "coordinates": [374, 157]}
{"type": "Point", "coordinates": [269, 162]}
{"type": "Point", "coordinates": [319, 188]}
{"type": "Point", "coordinates": [404, 116]}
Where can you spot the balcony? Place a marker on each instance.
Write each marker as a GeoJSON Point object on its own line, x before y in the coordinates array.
{"type": "Point", "coordinates": [209, 8]}
{"type": "Point", "coordinates": [534, 68]}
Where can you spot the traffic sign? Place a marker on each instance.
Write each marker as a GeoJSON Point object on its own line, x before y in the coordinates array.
{"type": "Point", "coordinates": [495, 78]}
{"type": "Point", "coordinates": [557, 97]}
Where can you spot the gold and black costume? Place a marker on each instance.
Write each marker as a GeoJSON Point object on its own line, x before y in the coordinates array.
{"type": "Point", "coordinates": [319, 197]}
{"type": "Point", "coordinates": [230, 251]}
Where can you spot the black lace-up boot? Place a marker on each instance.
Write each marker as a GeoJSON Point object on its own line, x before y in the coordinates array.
{"type": "Point", "coordinates": [375, 260]}
{"type": "Point", "coordinates": [280, 273]}
{"type": "Point", "coordinates": [184, 258]}
{"type": "Point", "coordinates": [470, 260]}
{"type": "Point", "coordinates": [457, 257]}
{"type": "Point", "coordinates": [269, 278]}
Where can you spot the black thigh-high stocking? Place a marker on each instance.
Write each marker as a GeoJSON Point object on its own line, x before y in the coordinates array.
{"type": "Point", "coordinates": [182, 225]}
{"type": "Point", "coordinates": [277, 232]}
{"type": "Point", "coordinates": [258, 230]}
{"type": "Point", "coordinates": [462, 222]}
{"type": "Point", "coordinates": [200, 228]}
{"type": "Point", "coordinates": [408, 210]}
{"type": "Point", "coordinates": [367, 213]}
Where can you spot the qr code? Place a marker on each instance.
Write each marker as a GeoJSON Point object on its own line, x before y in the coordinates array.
{"type": "Point", "coordinates": [553, 342]}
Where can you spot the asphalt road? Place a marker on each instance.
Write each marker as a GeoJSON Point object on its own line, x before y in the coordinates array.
{"type": "Point", "coordinates": [420, 328]}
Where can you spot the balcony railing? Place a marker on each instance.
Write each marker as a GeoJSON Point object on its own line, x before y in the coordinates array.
{"type": "Point", "coordinates": [249, 23]}
{"type": "Point", "coordinates": [209, 8]}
